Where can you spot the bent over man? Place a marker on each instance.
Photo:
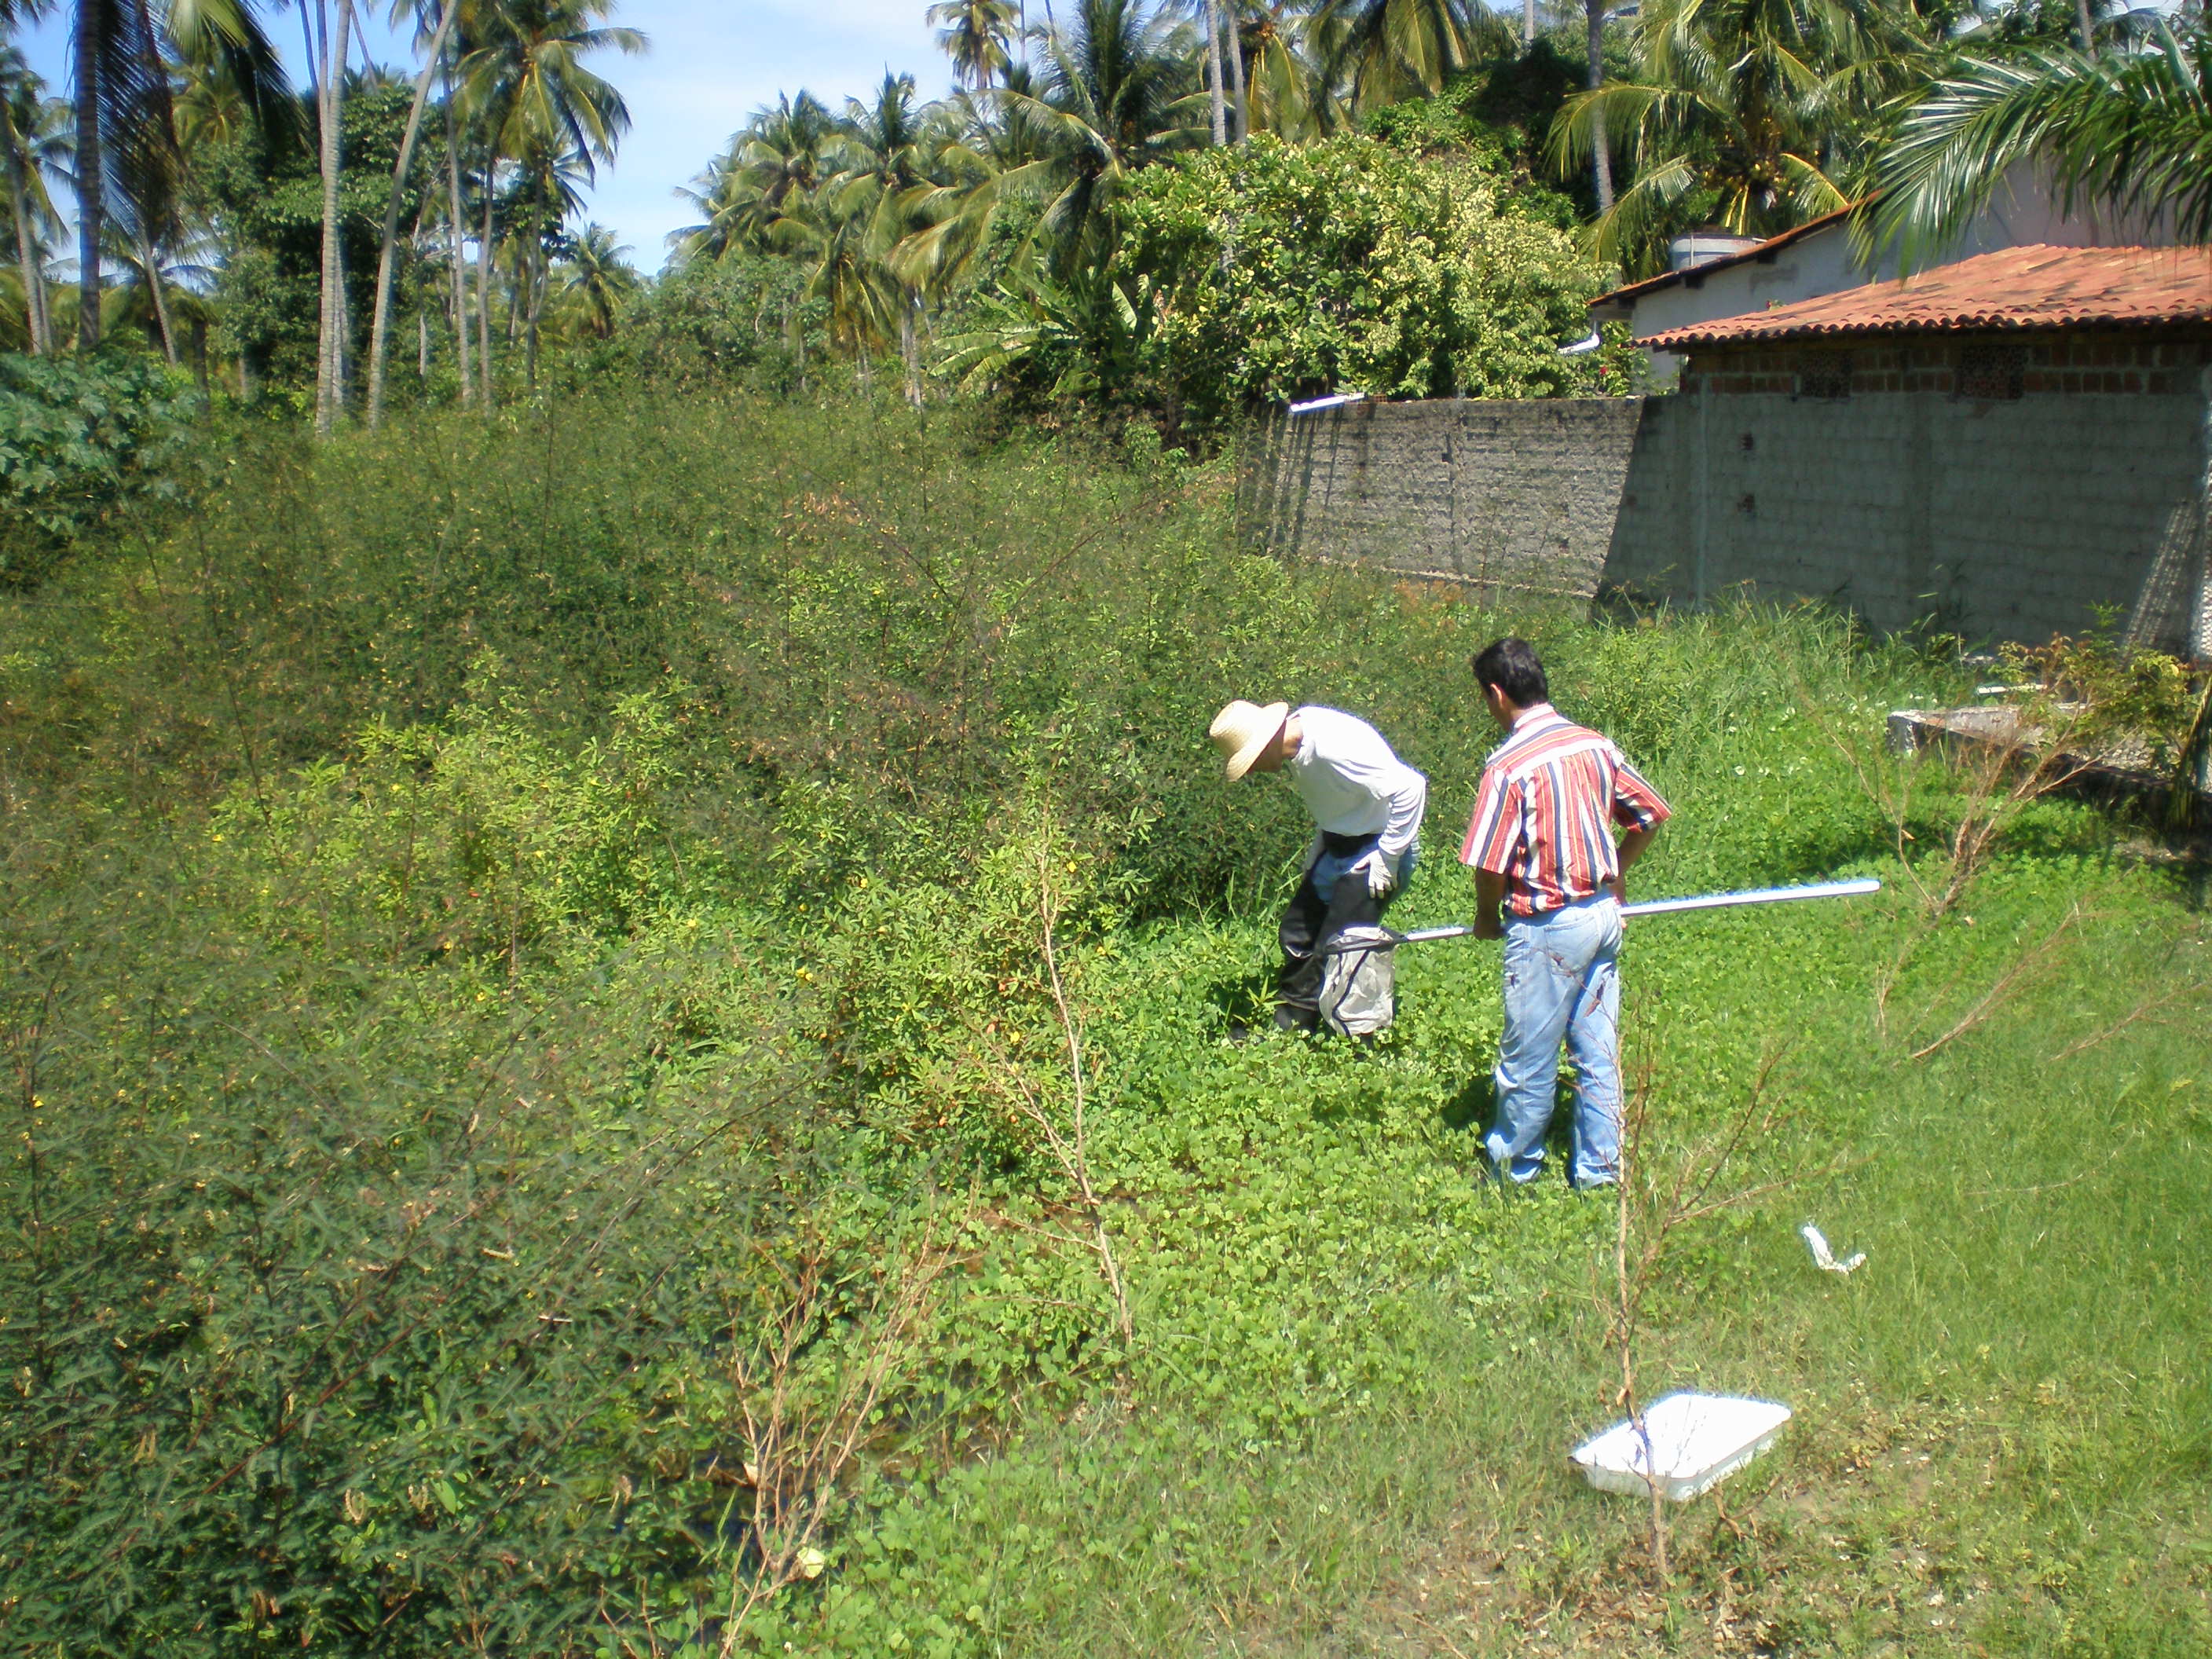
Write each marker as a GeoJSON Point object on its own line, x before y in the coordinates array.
{"type": "Point", "coordinates": [1549, 881]}
{"type": "Point", "coordinates": [1366, 805]}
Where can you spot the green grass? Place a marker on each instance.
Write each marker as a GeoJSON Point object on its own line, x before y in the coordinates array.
{"type": "Point", "coordinates": [486, 909]}
{"type": "Point", "coordinates": [1378, 1365]}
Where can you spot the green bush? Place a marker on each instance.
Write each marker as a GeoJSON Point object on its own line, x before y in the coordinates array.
{"type": "Point", "coordinates": [743, 320]}
{"type": "Point", "coordinates": [76, 439]}
{"type": "Point", "coordinates": [345, 1315]}
{"type": "Point", "coordinates": [1500, 113]}
{"type": "Point", "coordinates": [1273, 271]}
{"type": "Point", "coordinates": [512, 922]}
{"type": "Point", "coordinates": [481, 840]}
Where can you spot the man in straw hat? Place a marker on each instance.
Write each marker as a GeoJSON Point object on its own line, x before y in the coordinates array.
{"type": "Point", "coordinates": [1366, 805]}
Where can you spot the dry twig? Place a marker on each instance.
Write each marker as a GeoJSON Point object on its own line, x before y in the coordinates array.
{"type": "Point", "coordinates": [800, 1440]}
{"type": "Point", "coordinates": [2143, 1009]}
{"type": "Point", "coordinates": [2006, 983]}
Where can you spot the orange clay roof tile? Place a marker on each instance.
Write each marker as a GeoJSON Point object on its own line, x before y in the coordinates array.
{"type": "Point", "coordinates": [2020, 287]}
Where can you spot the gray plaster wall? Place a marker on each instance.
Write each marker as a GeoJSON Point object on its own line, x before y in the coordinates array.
{"type": "Point", "coordinates": [1504, 496]}
{"type": "Point", "coordinates": [1995, 521]}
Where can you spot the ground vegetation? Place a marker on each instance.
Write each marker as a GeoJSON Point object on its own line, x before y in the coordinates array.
{"type": "Point", "coordinates": [619, 1038]}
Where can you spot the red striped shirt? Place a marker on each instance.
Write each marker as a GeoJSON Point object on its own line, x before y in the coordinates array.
{"type": "Point", "coordinates": [1543, 818]}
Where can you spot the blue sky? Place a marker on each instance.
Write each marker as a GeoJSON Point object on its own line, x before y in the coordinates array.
{"type": "Point", "coordinates": [710, 65]}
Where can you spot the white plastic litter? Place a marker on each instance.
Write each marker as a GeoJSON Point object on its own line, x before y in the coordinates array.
{"type": "Point", "coordinates": [1824, 1258]}
{"type": "Point", "coordinates": [1697, 1440]}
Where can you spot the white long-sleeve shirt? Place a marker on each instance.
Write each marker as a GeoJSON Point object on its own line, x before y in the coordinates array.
{"type": "Point", "coordinates": [1352, 783]}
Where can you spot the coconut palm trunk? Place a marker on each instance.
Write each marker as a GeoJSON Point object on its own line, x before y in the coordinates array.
{"type": "Point", "coordinates": [910, 345]}
{"type": "Point", "coordinates": [27, 251]}
{"type": "Point", "coordinates": [1601, 157]}
{"type": "Point", "coordinates": [91, 171]}
{"type": "Point", "coordinates": [457, 263]}
{"type": "Point", "coordinates": [330, 362]}
{"type": "Point", "coordinates": [483, 295]}
{"type": "Point", "coordinates": [151, 266]}
{"type": "Point", "coordinates": [533, 275]}
{"type": "Point", "coordinates": [1233, 40]}
{"type": "Point", "coordinates": [1213, 89]}
{"type": "Point", "coordinates": [381, 321]}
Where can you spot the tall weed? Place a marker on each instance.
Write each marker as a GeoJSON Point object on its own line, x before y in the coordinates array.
{"type": "Point", "coordinates": [537, 1093]}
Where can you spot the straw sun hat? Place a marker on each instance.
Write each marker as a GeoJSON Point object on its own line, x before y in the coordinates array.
{"type": "Point", "coordinates": [1244, 730]}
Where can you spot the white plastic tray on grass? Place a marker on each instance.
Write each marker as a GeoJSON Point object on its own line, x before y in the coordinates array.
{"type": "Point", "coordinates": [1697, 1440]}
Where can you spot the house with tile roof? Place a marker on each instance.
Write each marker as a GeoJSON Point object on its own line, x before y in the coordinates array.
{"type": "Point", "coordinates": [2004, 446]}
{"type": "Point", "coordinates": [2010, 446]}
{"type": "Point", "coordinates": [1823, 257]}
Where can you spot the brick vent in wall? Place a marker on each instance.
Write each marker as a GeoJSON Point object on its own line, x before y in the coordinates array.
{"type": "Point", "coordinates": [1979, 367]}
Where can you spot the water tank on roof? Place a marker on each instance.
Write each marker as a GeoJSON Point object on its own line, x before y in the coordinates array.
{"type": "Point", "coordinates": [1702, 247]}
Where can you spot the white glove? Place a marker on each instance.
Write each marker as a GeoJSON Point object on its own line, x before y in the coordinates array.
{"type": "Point", "coordinates": [1313, 854]}
{"type": "Point", "coordinates": [1377, 868]}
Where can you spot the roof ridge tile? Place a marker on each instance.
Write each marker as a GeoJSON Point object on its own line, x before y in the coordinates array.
{"type": "Point", "coordinates": [2036, 285]}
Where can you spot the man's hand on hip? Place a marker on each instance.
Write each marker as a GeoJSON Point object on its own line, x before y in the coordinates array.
{"type": "Point", "coordinates": [1489, 904]}
{"type": "Point", "coordinates": [1376, 869]}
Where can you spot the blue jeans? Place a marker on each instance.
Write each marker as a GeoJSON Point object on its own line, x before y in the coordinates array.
{"type": "Point", "coordinates": [1329, 866]}
{"type": "Point", "coordinates": [1562, 981]}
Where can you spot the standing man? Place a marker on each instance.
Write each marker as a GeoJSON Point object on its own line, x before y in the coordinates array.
{"type": "Point", "coordinates": [1543, 849]}
{"type": "Point", "coordinates": [1366, 805]}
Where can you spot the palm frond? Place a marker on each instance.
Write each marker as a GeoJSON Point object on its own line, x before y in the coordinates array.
{"type": "Point", "coordinates": [2132, 133]}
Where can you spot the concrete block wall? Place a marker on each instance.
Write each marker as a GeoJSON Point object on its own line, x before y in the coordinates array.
{"type": "Point", "coordinates": [1506, 497]}
{"type": "Point", "coordinates": [2008, 519]}
{"type": "Point", "coordinates": [1995, 518]}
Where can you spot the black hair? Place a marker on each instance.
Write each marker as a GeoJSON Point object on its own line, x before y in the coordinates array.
{"type": "Point", "coordinates": [1511, 664]}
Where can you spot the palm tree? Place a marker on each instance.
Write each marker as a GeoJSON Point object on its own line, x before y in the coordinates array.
{"type": "Point", "coordinates": [718, 194]}
{"type": "Point", "coordinates": [884, 183]}
{"type": "Point", "coordinates": [168, 274]}
{"type": "Point", "coordinates": [1095, 329]}
{"type": "Point", "coordinates": [2131, 133]}
{"type": "Point", "coordinates": [1286, 94]}
{"type": "Point", "coordinates": [35, 135]}
{"type": "Point", "coordinates": [125, 131]}
{"type": "Point", "coordinates": [457, 234]}
{"type": "Point", "coordinates": [598, 278]}
{"type": "Point", "coordinates": [330, 98]}
{"type": "Point", "coordinates": [1749, 113]}
{"type": "Point", "coordinates": [543, 194]}
{"type": "Point", "coordinates": [1217, 97]}
{"type": "Point", "coordinates": [854, 226]}
{"type": "Point", "coordinates": [1601, 150]}
{"type": "Point", "coordinates": [446, 13]}
{"type": "Point", "coordinates": [1234, 44]}
{"type": "Point", "coordinates": [782, 151]}
{"type": "Point", "coordinates": [523, 77]}
{"type": "Point", "coordinates": [1113, 99]}
{"type": "Point", "coordinates": [974, 36]}
{"type": "Point", "coordinates": [981, 140]}
{"type": "Point", "coordinates": [1379, 52]}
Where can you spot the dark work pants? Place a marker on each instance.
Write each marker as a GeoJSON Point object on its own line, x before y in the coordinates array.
{"type": "Point", "coordinates": [1310, 923]}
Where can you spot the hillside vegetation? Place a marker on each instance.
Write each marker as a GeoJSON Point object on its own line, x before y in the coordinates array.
{"type": "Point", "coordinates": [619, 1037]}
